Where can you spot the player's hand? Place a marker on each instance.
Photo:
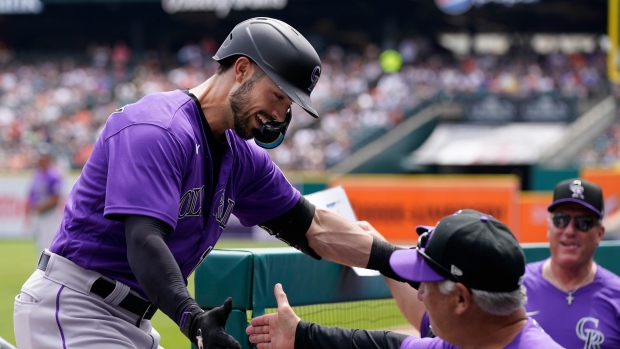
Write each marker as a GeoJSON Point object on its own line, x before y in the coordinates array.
{"type": "Point", "coordinates": [275, 331]}
{"type": "Point", "coordinates": [207, 329]}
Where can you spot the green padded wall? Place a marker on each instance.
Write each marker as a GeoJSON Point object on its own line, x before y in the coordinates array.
{"type": "Point", "coordinates": [223, 274]}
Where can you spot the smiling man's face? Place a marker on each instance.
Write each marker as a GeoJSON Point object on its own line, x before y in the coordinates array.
{"type": "Point", "coordinates": [257, 101]}
{"type": "Point", "coordinates": [570, 246]}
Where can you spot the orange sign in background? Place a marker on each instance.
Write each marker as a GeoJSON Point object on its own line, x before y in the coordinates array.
{"type": "Point", "coordinates": [609, 180]}
{"type": "Point", "coordinates": [395, 205]}
{"type": "Point", "coordinates": [533, 216]}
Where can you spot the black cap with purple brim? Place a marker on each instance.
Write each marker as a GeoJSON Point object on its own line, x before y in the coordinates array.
{"type": "Point", "coordinates": [579, 191]}
{"type": "Point", "coordinates": [469, 247]}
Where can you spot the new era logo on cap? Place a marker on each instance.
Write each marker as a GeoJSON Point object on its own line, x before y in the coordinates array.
{"type": "Point", "coordinates": [580, 191]}
{"type": "Point", "coordinates": [455, 270]}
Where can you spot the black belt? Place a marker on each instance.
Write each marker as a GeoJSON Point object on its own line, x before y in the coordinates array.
{"type": "Point", "coordinates": [103, 288]}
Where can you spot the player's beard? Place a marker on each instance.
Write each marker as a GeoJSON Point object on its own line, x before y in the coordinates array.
{"type": "Point", "coordinates": [238, 103]}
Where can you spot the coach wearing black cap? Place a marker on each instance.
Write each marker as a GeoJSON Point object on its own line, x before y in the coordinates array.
{"type": "Point", "coordinates": [470, 272]}
{"type": "Point", "coordinates": [574, 299]}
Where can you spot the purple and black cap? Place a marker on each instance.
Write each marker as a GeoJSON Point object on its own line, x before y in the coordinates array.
{"type": "Point", "coordinates": [579, 191]}
{"type": "Point", "coordinates": [469, 247]}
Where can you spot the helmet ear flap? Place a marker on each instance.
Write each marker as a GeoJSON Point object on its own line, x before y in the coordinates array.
{"type": "Point", "coordinates": [272, 133]}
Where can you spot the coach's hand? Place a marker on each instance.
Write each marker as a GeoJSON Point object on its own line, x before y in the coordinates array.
{"type": "Point", "coordinates": [275, 330]}
{"type": "Point", "coordinates": [207, 329]}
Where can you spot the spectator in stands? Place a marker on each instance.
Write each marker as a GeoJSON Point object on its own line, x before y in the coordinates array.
{"type": "Point", "coordinates": [469, 269]}
{"type": "Point", "coordinates": [365, 100]}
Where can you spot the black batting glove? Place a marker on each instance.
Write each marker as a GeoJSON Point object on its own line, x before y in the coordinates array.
{"type": "Point", "coordinates": [207, 329]}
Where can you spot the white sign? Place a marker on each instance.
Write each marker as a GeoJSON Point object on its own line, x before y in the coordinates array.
{"type": "Point", "coordinates": [333, 199]}
{"type": "Point", "coordinates": [336, 200]}
{"type": "Point", "coordinates": [221, 7]}
{"type": "Point", "coordinates": [21, 6]}
{"type": "Point", "coordinates": [505, 2]}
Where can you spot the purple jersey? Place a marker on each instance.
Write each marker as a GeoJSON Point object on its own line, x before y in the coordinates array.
{"type": "Point", "coordinates": [425, 326]}
{"type": "Point", "coordinates": [153, 159]}
{"type": "Point", "coordinates": [45, 184]}
{"type": "Point", "coordinates": [531, 336]}
{"type": "Point", "coordinates": [592, 321]}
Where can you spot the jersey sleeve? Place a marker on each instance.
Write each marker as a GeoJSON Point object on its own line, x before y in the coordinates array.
{"type": "Point", "coordinates": [425, 325]}
{"type": "Point", "coordinates": [145, 169]}
{"type": "Point", "coordinates": [265, 193]}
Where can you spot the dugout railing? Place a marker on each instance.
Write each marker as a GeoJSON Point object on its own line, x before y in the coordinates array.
{"type": "Point", "coordinates": [249, 275]}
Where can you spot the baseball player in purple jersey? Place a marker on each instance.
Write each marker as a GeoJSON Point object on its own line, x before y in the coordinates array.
{"type": "Point", "coordinates": [43, 200]}
{"type": "Point", "coordinates": [574, 299]}
{"type": "Point", "coordinates": [469, 274]}
{"type": "Point", "coordinates": [154, 197]}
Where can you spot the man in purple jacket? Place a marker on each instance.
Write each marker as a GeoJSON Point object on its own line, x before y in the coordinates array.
{"type": "Point", "coordinates": [154, 197]}
{"type": "Point", "coordinates": [470, 272]}
{"type": "Point", "coordinates": [573, 298]}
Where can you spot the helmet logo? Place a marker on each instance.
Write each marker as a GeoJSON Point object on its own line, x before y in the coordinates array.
{"type": "Point", "coordinates": [316, 73]}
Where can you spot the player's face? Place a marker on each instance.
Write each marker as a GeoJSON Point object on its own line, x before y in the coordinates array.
{"type": "Point", "coordinates": [255, 102]}
{"type": "Point", "coordinates": [437, 306]}
{"type": "Point", "coordinates": [570, 245]}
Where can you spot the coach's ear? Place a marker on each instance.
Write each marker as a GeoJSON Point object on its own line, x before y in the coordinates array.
{"type": "Point", "coordinates": [463, 298]}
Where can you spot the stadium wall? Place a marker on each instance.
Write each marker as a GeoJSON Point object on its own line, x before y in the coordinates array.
{"type": "Point", "coordinates": [394, 204]}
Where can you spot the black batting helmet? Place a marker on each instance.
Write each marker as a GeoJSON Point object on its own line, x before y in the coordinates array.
{"type": "Point", "coordinates": [281, 51]}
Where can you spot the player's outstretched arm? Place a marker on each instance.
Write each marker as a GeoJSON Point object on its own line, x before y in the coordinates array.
{"type": "Point", "coordinates": [276, 330]}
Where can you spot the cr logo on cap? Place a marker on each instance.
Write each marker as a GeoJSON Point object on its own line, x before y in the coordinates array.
{"type": "Point", "coordinates": [577, 189]}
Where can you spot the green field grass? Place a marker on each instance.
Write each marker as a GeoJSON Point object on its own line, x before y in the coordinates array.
{"type": "Point", "coordinates": [18, 259]}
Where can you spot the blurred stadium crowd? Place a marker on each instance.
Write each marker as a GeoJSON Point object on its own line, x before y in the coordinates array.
{"type": "Point", "coordinates": [60, 102]}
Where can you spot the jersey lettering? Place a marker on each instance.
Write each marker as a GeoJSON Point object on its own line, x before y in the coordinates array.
{"type": "Point", "coordinates": [190, 204]}
{"type": "Point", "coordinates": [593, 338]}
{"type": "Point", "coordinates": [223, 213]}
{"type": "Point", "coordinates": [202, 258]}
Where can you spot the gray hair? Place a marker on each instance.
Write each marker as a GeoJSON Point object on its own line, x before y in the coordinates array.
{"type": "Point", "coordinates": [494, 303]}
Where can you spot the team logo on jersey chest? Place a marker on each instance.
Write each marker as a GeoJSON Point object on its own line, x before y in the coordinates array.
{"type": "Point", "coordinates": [592, 337]}
{"type": "Point", "coordinates": [191, 204]}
